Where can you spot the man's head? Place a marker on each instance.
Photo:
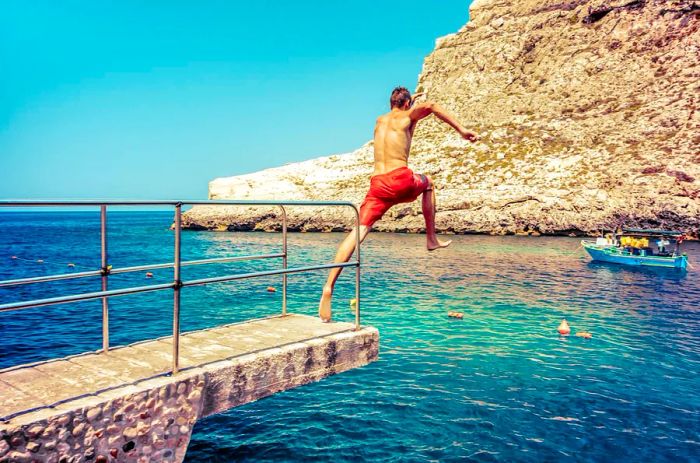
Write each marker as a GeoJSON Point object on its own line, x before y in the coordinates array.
{"type": "Point", "coordinates": [400, 98]}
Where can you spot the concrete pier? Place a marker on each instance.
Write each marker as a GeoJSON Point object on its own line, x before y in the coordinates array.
{"type": "Point", "coordinates": [123, 406]}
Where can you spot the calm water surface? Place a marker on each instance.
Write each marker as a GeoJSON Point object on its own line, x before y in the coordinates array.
{"type": "Point", "coordinates": [499, 385]}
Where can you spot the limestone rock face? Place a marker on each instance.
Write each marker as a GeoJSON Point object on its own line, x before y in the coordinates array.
{"type": "Point", "coordinates": [588, 117]}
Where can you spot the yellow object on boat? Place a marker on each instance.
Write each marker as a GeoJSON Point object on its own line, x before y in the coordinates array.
{"type": "Point", "coordinates": [634, 242]}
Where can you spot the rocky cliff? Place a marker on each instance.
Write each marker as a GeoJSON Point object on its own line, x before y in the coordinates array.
{"type": "Point", "coordinates": [588, 115]}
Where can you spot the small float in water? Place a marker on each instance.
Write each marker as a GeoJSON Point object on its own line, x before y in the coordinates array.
{"type": "Point", "coordinates": [638, 247]}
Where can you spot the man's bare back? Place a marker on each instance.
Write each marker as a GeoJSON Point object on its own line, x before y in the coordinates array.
{"type": "Point", "coordinates": [392, 181]}
{"type": "Point", "coordinates": [392, 141]}
{"type": "Point", "coordinates": [393, 134]}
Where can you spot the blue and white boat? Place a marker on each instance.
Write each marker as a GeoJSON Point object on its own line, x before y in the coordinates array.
{"type": "Point", "coordinates": [639, 247]}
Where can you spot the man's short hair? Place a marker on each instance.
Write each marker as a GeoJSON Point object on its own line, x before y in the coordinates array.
{"type": "Point", "coordinates": [399, 97]}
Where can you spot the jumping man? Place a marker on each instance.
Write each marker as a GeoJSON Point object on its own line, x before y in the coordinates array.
{"type": "Point", "coordinates": [392, 182]}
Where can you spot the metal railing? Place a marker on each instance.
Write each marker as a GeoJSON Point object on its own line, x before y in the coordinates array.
{"type": "Point", "coordinates": [177, 283]}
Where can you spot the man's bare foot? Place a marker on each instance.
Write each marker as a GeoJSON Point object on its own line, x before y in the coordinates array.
{"type": "Point", "coordinates": [324, 307]}
{"type": "Point", "coordinates": [437, 244]}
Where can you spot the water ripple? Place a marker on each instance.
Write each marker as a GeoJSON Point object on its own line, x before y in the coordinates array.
{"type": "Point", "coordinates": [499, 385]}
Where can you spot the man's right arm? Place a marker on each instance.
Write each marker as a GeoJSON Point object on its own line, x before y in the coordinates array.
{"type": "Point", "coordinates": [424, 110]}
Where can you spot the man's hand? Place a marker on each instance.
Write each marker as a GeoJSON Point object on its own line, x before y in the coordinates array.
{"type": "Point", "coordinates": [415, 97]}
{"type": "Point", "coordinates": [469, 136]}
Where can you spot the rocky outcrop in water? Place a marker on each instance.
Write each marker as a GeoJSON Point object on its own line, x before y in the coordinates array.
{"type": "Point", "coordinates": [588, 115]}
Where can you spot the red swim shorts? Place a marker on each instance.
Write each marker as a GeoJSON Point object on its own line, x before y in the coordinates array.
{"type": "Point", "coordinates": [397, 186]}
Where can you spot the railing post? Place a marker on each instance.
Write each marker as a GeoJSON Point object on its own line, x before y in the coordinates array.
{"type": "Point", "coordinates": [284, 260]}
{"type": "Point", "coordinates": [357, 269]}
{"type": "Point", "coordinates": [176, 291]}
{"type": "Point", "coordinates": [105, 272]}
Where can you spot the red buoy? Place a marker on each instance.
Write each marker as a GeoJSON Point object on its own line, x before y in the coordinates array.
{"type": "Point", "coordinates": [149, 275]}
{"type": "Point", "coordinates": [564, 329]}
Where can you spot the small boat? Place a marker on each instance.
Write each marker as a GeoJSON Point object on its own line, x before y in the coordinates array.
{"type": "Point", "coordinates": [639, 247]}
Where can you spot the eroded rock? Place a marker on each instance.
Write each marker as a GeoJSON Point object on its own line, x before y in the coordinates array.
{"type": "Point", "coordinates": [569, 97]}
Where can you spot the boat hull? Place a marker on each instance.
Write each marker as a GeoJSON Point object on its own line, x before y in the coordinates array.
{"type": "Point", "coordinates": [612, 255]}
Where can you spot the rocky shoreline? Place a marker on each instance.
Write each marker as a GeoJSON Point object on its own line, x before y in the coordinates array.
{"type": "Point", "coordinates": [587, 112]}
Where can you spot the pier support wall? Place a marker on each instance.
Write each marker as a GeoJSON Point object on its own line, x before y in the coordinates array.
{"type": "Point", "coordinates": [152, 420]}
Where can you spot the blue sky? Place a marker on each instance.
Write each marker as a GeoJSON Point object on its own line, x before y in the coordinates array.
{"type": "Point", "coordinates": [152, 100]}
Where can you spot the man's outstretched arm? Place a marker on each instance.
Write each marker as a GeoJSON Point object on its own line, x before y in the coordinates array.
{"type": "Point", "coordinates": [423, 110]}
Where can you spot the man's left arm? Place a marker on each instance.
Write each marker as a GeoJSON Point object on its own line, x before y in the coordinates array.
{"type": "Point", "coordinates": [423, 110]}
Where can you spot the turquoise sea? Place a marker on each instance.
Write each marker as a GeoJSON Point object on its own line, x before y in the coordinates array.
{"type": "Point", "coordinates": [498, 385]}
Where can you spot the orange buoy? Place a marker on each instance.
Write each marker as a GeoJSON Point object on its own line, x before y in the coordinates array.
{"type": "Point", "coordinates": [584, 335]}
{"type": "Point", "coordinates": [452, 314]}
{"type": "Point", "coordinates": [564, 329]}
{"type": "Point", "coordinates": [149, 275]}
{"type": "Point", "coordinates": [70, 264]}
{"type": "Point", "coordinates": [271, 289]}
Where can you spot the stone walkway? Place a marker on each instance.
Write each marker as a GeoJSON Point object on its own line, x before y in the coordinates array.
{"type": "Point", "coordinates": [123, 407]}
{"type": "Point", "coordinates": [53, 382]}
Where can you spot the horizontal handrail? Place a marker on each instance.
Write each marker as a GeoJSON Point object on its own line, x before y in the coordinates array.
{"type": "Point", "coordinates": [83, 297]}
{"type": "Point", "coordinates": [177, 284]}
{"type": "Point", "coordinates": [210, 202]}
{"type": "Point", "coordinates": [136, 268]}
{"type": "Point", "coordinates": [242, 276]}
{"type": "Point", "coordinates": [215, 260]}
{"type": "Point", "coordinates": [148, 288]}
{"type": "Point", "coordinates": [45, 278]}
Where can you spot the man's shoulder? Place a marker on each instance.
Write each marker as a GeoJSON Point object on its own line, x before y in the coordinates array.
{"type": "Point", "coordinates": [385, 119]}
{"type": "Point", "coordinates": [395, 116]}
{"type": "Point", "coordinates": [386, 116]}
{"type": "Point", "coordinates": [394, 119]}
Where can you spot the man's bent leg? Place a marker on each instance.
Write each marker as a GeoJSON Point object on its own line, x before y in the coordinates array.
{"type": "Point", "coordinates": [428, 203]}
{"type": "Point", "coordinates": [345, 251]}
